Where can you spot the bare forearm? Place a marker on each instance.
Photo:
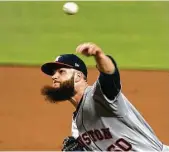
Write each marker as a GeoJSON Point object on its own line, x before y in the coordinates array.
{"type": "Point", "coordinates": [104, 63]}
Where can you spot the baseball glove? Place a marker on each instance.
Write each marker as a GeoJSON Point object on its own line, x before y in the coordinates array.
{"type": "Point", "coordinates": [72, 144]}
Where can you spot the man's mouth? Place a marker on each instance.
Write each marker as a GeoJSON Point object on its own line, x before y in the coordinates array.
{"type": "Point", "coordinates": [56, 84]}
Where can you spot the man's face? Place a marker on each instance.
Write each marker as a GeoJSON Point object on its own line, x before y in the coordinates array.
{"type": "Point", "coordinates": [60, 76]}
{"type": "Point", "coordinates": [62, 87]}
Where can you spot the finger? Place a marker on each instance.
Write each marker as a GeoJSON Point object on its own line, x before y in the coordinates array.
{"type": "Point", "coordinates": [82, 46]}
{"type": "Point", "coordinates": [92, 50]}
{"type": "Point", "coordinates": [78, 48]}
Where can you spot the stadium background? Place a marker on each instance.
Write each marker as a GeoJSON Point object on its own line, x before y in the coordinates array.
{"type": "Point", "coordinates": [135, 33]}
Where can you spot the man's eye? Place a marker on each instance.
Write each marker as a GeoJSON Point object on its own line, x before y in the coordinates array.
{"type": "Point", "coordinates": [62, 71]}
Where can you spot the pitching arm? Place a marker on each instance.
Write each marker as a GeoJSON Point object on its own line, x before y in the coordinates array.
{"type": "Point", "coordinates": [109, 77]}
{"type": "Point", "coordinates": [110, 83]}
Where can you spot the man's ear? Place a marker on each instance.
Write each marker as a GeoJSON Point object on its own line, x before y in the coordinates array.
{"type": "Point", "coordinates": [78, 76]}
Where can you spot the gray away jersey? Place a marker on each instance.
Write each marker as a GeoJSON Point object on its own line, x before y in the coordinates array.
{"type": "Point", "coordinates": [112, 125]}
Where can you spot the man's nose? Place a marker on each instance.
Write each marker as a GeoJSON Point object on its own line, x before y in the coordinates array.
{"type": "Point", "coordinates": [55, 75]}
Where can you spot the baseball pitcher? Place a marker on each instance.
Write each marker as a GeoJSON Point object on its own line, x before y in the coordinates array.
{"type": "Point", "coordinates": [104, 119]}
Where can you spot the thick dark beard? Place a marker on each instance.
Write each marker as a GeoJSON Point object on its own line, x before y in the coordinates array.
{"type": "Point", "coordinates": [65, 92]}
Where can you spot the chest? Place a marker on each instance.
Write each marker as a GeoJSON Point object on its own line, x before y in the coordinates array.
{"type": "Point", "coordinates": [99, 128]}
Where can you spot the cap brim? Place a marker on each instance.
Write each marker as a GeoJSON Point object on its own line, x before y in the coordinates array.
{"type": "Point", "coordinates": [50, 67]}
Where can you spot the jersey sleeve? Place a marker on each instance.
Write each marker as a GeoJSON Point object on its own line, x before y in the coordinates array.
{"type": "Point", "coordinates": [110, 83]}
{"type": "Point", "coordinates": [106, 92]}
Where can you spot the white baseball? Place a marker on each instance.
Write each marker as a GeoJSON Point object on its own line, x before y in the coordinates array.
{"type": "Point", "coordinates": [70, 8]}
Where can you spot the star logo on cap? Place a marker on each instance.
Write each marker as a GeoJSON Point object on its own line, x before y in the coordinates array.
{"type": "Point", "coordinates": [57, 58]}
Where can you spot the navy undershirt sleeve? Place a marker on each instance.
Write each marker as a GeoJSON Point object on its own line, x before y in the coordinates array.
{"type": "Point", "coordinates": [110, 83]}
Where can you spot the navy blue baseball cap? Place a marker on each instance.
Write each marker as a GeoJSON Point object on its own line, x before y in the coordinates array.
{"type": "Point", "coordinates": [64, 61]}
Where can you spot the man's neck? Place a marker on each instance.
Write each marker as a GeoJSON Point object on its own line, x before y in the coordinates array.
{"type": "Point", "coordinates": [78, 96]}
